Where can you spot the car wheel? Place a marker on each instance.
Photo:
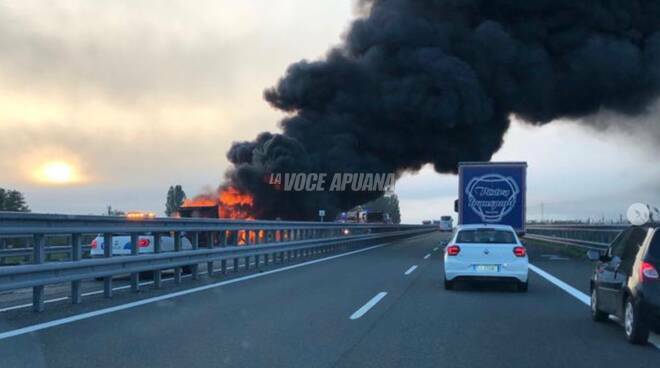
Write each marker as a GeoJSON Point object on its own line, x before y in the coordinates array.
{"type": "Point", "coordinates": [597, 314]}
{"type": "Point", "coordinates": [449, 284]}
{"type": "Point", "coordinates": [636, 331]}
{"type": "Point", "coordinates": [523, 286]}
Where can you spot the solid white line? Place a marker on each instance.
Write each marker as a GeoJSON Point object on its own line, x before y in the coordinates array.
{"type": "Point", "coordinates": [427, 256]}
{"type": "Point", "coordinates": [100, 312]}
{"type": "Point", "coordinates": [584, 298]}
{"type": "Point", "coordinates": [410, 270]}
{"type": "Point", "coordinates": [370, 304]}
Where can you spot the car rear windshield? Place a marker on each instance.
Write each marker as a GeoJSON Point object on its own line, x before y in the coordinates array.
{"type": "Point", "coordinates": [486, 236]}
{"type": "Point", "coordinates": [654, 250]}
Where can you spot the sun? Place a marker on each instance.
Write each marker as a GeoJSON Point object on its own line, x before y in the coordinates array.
{"type": "Point", "coordinates": [57, 172]}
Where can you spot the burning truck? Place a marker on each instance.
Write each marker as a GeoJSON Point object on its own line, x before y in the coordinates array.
{"type": "Point", "coordinates": [227, 203]}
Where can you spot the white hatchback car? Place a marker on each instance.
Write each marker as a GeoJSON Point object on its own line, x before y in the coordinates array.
{"type": "Point", "coordinates": [486, 252]}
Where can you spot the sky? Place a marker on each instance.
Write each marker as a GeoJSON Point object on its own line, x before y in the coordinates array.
{"type": "Point", "coordinates": [110, 103]}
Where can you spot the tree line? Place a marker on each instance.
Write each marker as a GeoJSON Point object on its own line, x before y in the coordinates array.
{"type": "Point", "coordinates": [13, 200]}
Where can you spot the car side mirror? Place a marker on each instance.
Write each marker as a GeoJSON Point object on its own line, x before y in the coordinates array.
{"type": "Point", "coordinates": [595, 255]}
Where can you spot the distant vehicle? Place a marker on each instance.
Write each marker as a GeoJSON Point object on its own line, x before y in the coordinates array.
{"type": "Point", "coordinates": [426, 222]}
{"type": "Point", "coordinates": [446, 223]}
{"type": "Point", "coordinates": [360, 216]}
{"type": "Point", "coordinates": [121, 245]}
{"type": "Point", "coordinates": [486, 252]}
{"type": "Point", "coordinates": [375, 217]}
{"type": "Point", "coordinates": [625, 282]}
{"type": "Point", "coordinates": [492, 193]}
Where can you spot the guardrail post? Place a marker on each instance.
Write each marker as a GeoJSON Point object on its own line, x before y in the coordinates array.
{"type": "Point", "coordinates": [76, 255]}
{"type": "Point", "coordinates": [135, 276]}
{"type": "Point", "coordinates": [107, 253]}
{"type": "Point", "coordinates": [177, 248]}
{"type": "Point", "coordinates": [38, 257]}
{"type": "Point", "coordinates": [195, 246]}
{"type": "Point", "coordinates": [158, 281]}
{"type": "Point", "coordinates": [3, 245]}
{"type": "Point", "coordinates": [210, 240]}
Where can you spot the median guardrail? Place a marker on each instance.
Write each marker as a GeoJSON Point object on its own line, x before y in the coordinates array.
{"type": "Point", "coordinates": [585, 236]}
{"type": "Point", "coordinates": [212, 241]}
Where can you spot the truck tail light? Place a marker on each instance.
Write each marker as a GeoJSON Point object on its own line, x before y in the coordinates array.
{"type": "Point", "coordinates": [648, 272]}
{"type": "Point", "coordinates": [143, 243]}
{"type": "Point", "coordinates": [453, 250]}
{"type": "Point", "coordinates": [519, 251]}
{"type": "Point", "coordinates": [94, 244]}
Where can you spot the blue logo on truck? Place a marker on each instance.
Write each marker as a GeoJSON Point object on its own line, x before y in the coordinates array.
{"type": "Point", "coordinates": [492, 196]}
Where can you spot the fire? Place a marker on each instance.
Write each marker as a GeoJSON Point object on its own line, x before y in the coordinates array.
{"type": "Point", "coordinates": [236, 205]}
{"type": "Point", "coordinates": [201, 200]}
{"type": "Point", "coordinates": [231, 203]}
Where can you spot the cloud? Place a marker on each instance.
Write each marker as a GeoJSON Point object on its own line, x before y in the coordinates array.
{"type": "Point", "coordinates": [143, 94]}
{"type": "Point", "coordinates": [573, 172]}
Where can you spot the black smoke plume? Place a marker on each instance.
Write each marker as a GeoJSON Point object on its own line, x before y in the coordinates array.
{"type": "Point", "coordinates": [436, 81]}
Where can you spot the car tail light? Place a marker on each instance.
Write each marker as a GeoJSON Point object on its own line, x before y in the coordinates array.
{"type": "Point", "coordinates": [519, 251]}
{"type": "Point", "coordinates": [94, 244]}
{"type": "Point", "coordinates": [648, 272]}
{"type": "Point", "coordinates": [453, 250]}
{"type": "Point", "coordinates": [143, 243]}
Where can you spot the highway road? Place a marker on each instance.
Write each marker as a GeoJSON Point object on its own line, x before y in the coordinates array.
{"type": "Point", "coordinates": [382, 306]}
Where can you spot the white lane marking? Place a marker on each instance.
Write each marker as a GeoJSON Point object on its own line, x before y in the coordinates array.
{"type": "Point", "coordinates": [124, 287]}
{"type": "Point", "coordinates": [584, 298]}
{"type": "Point", "coordinates": [435, 249]}
{"type": "Point", "coordinates": [100, 312]}
{"type": "Point", "coordinates": [427, 256]}
{"type": "Point", "coordinates": [410, 270]}
{"type": "Point", "coordinates": [370, 304]}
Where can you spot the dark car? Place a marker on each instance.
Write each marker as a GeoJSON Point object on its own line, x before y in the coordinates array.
{"type": "Point", "coordinates": [625, 282]}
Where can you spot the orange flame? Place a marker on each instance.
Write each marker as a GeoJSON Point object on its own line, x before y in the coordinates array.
{"type": "Point", "coordinates": [235, 205]}
{"type": "Point", "coordinates": [231, 203]}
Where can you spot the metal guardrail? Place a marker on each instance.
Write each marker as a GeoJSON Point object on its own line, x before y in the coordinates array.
{"type": "Point", "coordinates": [580, 235]}
{"type": "Point", "coordinates": [27, 252]}
{"type": "Point", "coordinates": [571, 242]}
{"type": "Point", "coordinates": [585, 236]}
{"type": "Point", "coordinates": [212, 240]}
{"type": "Point", "coordinates": [597, 227]}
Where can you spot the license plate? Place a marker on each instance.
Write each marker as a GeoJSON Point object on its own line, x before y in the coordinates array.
{"type": "Point", "coordinates": [486, 268]}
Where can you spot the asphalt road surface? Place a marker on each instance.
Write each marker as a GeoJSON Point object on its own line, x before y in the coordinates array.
{"type": "Point", "coordinates": [383, 306]}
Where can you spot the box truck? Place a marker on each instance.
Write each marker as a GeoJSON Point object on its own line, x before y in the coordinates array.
{"type": "Point", "coordinates": [492, 193]}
